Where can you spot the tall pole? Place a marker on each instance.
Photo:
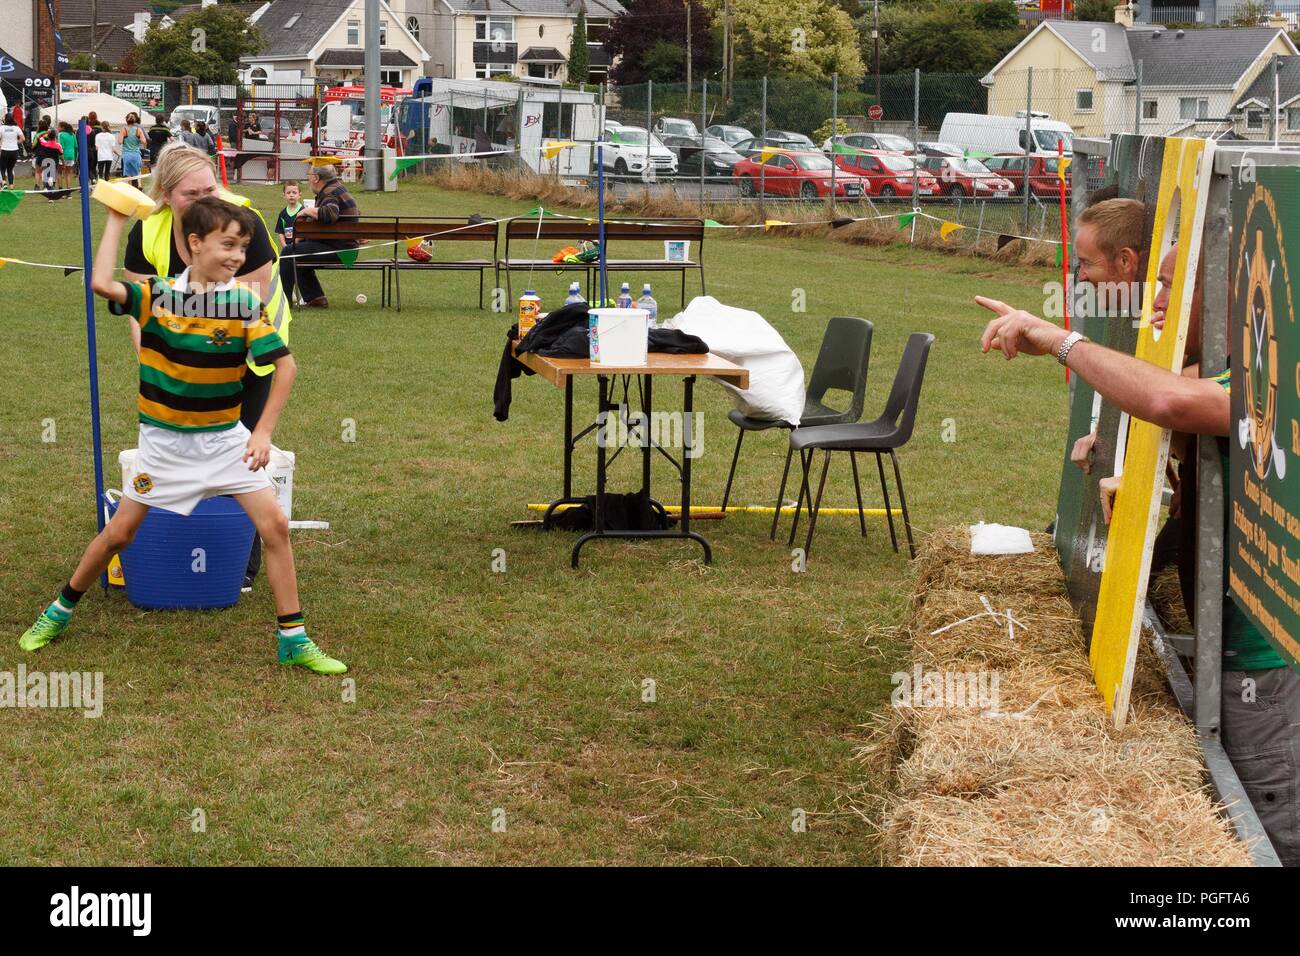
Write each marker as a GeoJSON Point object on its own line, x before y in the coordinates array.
{"type": "Point", "coordinates": [1029, 136]}
{"type": "Point", "coordinates": [688, 54]}
{"type": "Point", "coordinates": [83, 172]}
{"type": "Point", "coordinates": [1277, 66]}
{"type": "Point", "coordinates": [704, 119]}
{"type": "Point", "coordinates": [875, 40]}
{"type": "Point", "coordinates": [726, 50]}
{"type": "Point", "coordinates": [373, 172]}
{"type": "Point", "coordinates": [916, 138]}
{"type": "Point", "coordinates": [1137, 112]}
{"type": "Point", "coordinates": [835, 128]}
{"type": "Point", "coordinates": [94, 26]}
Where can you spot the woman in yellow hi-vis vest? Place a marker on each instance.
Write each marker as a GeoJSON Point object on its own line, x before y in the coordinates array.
{"type": "Point", "coordinates": [155, 246]}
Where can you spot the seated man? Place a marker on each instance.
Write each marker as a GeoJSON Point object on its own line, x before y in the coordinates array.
{"type": "Point", "coordinates": [333, 204]}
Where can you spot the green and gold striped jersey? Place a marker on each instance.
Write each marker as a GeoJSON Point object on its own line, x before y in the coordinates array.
{"type": "Point", "coordinates": [192, 350]}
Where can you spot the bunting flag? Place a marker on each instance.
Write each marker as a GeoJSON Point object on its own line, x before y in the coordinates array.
{"type": "Point", "coordinates": [9, 200]}
{"type": "Point", "coordinates": [769, 223]}
{"type": "Point", "coordinates": [1062, 165]}
{"type": "Point", "coordinates": [401, 166]}
{"type": "Point", "coordinates": [905, 219]}
{"type": "Point", "coordinates": [535, 211]}
{"type": "Point", "coordinates": [837, 223]}
{"type": "Point", "coordinates": [1060, 255]}
{"type": "Point", "coordinates": [349, 257]}
{"type": "Point", "coordinates": [767, 152]}
{"type": "Point", "coordinates": [712, 224]}
{"type": "Point", "coordinates": [3, 263]}
{"type": "Point", "coordinates": [69, 270]}
{"type": "Point", "coordinates": [551, 150]}
{"type": "Point", "coordinates": [948, 228]}
{"type": "Point", "coordinates": [844, 149]}
{"type": "Point", "coordinates": [1005, 240]}
{"type": "Point", "coordinates": [324, 161]}
{"type": "Point", "coordinates": [413, 243]}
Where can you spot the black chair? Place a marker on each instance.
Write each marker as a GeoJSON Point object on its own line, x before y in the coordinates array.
{"type": "Point", "coordinates": [841, 364]}
{"type": "Point", "coordinates": [888, 432]}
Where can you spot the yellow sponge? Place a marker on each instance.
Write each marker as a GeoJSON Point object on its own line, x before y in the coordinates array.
{"type": "Point", "coordinates": [122, 197]}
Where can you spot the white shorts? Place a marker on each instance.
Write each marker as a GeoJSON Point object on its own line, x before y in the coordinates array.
{"type": "Point", "coordinates": [176, 470]}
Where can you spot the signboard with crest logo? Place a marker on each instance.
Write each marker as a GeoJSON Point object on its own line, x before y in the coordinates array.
{"type": "Point", "coordinates": [1264, 436]}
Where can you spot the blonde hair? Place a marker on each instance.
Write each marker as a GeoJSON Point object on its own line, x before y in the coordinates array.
{"type": "Point", "coordinates": [1118, 223]}
{"type": "Point", "coordinates": [176, 162]}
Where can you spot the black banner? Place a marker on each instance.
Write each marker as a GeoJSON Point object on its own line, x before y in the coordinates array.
{"type": "Point", "coordinates": [60, 57]}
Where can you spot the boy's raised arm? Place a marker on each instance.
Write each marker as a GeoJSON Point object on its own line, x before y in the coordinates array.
{"type": "Point", "coordinates": [102, 281]}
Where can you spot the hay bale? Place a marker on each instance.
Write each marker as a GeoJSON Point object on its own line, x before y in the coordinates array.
{"type": "Point", "coordinates": [953, 625]}
{"type": "Point", "coordinates": [974, 756]}
{"type": "Point", "coordinates": [1086, 821]}
{"type": "Point", "coordinates": [944, 562]}
{"type": "Point", "coordinates": [1166, 597]}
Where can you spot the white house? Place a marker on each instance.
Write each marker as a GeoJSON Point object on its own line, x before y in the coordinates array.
{"type": "Point", "coordinates": [325, 39]}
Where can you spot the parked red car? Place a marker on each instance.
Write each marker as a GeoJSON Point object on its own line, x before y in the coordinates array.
{"type": "Point", "coordinates": [1043, 173]}
{"type": "Point", "coordinates": [966, 177]}
{"type": "Point", "coordinates": [887, 174]}
{"type": "Point", "coordinates": [806, 175]}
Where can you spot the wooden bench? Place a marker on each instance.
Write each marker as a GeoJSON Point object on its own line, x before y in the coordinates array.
{"type": "Point", "coordinates": [548, 235]}
{"type": "Point", "coordinates": [395, 231]}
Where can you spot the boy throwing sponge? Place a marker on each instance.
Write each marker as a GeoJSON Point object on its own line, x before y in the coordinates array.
{"type": "Point", "coordinates": [197, 330]}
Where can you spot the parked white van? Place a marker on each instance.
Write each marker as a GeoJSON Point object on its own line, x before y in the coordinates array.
{"type": "Point", "coordinates": [1005, 134]}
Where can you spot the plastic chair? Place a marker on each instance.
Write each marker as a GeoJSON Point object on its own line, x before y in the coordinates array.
{"type": "Point", "coordinates": [841, 364]}
{"type": "Point", "coordinates": [887, 433]}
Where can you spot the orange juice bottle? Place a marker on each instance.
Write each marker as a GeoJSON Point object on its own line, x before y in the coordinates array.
{"type": "Point", "coordinates": [530, 304]}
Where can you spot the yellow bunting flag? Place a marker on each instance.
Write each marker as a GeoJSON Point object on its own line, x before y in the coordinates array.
{"type": "Point", "coordinates": [767, 152]}
{"type": "Point", "coordinates": [413, 243]}
{"type": "Point", "coordinates": [551, 150]}
{"type": "Point", "coordinates": [948, 228]}
{"type": "Point", "coordinates": [1063, 165]}
{"type": "Point", "coordinates": [323, 161]}
{"type": "Point", "coordinates": [774, 222]}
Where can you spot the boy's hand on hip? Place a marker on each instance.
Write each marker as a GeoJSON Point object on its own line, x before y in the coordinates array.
{"type": "Point", "coordinates": [258, 451]}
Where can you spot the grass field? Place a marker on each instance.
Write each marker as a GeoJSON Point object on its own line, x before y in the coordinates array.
{"type": "Point", "coordinates": [477, 692]}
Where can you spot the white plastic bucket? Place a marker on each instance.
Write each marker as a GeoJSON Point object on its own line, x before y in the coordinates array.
{"type": "Point", "coordinates": [622, 336]}
{"type": "Point", "coordinates": [279, 469]}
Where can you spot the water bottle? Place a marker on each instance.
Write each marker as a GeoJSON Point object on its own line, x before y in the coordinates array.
{"type": "Point", "coordinates": [647, 302]}
{"type": "Point", "coordinates": [575, 294]}
{"type": "Point", "coordinates": [625, 297]}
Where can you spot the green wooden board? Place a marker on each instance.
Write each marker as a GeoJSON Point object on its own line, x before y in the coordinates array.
{"type": "Point", "coordinates": [1264, 437]}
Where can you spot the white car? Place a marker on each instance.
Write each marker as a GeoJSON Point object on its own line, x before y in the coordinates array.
{"type": "Point", "coordinates": [625, 153]}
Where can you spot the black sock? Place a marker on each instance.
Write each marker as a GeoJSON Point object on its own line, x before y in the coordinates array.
{"type": "Point", "coordinates": [70, 595]}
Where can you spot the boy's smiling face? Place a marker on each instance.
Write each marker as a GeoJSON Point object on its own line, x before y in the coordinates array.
{"type": "Point", "coordinates": [218, 256]}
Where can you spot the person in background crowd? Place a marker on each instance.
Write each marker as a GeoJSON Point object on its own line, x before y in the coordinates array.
{"type": "Point", "coordinates": [105, 150]}
{"type": "Point", "coordinates": [253, 128]}
{"type": "Point", "coordinates": [333, 203]}
{"type": "Point", "coordinates": [11, 141]}
{"type": "Point", "coordinates": [19, 114]}
{"type": "Point", "coordinates": [159, 136]}
{"type": "Point", "coordinates": [131, 141]}
{"type": "Point", "coordinates": [292, 206]}
{"type": "Point", "coordinates": [156, 247]}
{"type": "Point", "coordinates": [206, 138]}
{"type": "Point", "coordinates": [46, 156]}
{"type": "Point", "coordinates": [68, 161]}
{"type": "Point", "coordinates": [189, 138]}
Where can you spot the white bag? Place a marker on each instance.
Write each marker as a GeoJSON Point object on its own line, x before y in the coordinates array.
{"type": "Point", "coordinates": [776, 386]}
{"type": "Point", "coordinates": [999, 539]}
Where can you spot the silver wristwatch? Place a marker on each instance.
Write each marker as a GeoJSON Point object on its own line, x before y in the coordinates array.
{"type": "Point", "coordinates": [1070, 341]}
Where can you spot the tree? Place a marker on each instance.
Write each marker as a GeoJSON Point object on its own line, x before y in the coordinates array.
{"type": "Point", "coordinates": [1095, 11]}
{"type": "Point", "coordinates": [809, 39]}
{"type": "Point", "coordinates": [207, 44]}
{"type": "Point", "coordinates": [997, 15]}
{"type": "Point", "coordinates": [579, 55]}
{"type": "Point", "coordinates": [632, 37]}
{"type": "Point", "coordinates": [942, 37]}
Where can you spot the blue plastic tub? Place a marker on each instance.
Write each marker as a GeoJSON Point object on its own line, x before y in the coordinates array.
{"type": "Point", "coordinates": [195, 563]}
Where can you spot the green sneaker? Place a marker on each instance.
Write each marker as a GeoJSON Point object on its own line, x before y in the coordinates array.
{"type": "Point", "coordinates": [306, 654]}
{"type": "Point", "coordinates": [42, 632]}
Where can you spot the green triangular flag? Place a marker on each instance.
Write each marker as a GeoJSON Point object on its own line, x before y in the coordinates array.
{"type": "Point", "coordinates": [905, 219]}
{"type": "Point", "coordinates": [349, 257]}
{"type": "Point", "coordinates": [401, 166]}
{"type": "Point", "coordinates": [535, 211]}
{"type": "Point", "coordinates": [712, 224]}
{"type": "Point", "coordinates": [9, 200]}
{"type": "Point", "coordinates": [1059, 256]}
